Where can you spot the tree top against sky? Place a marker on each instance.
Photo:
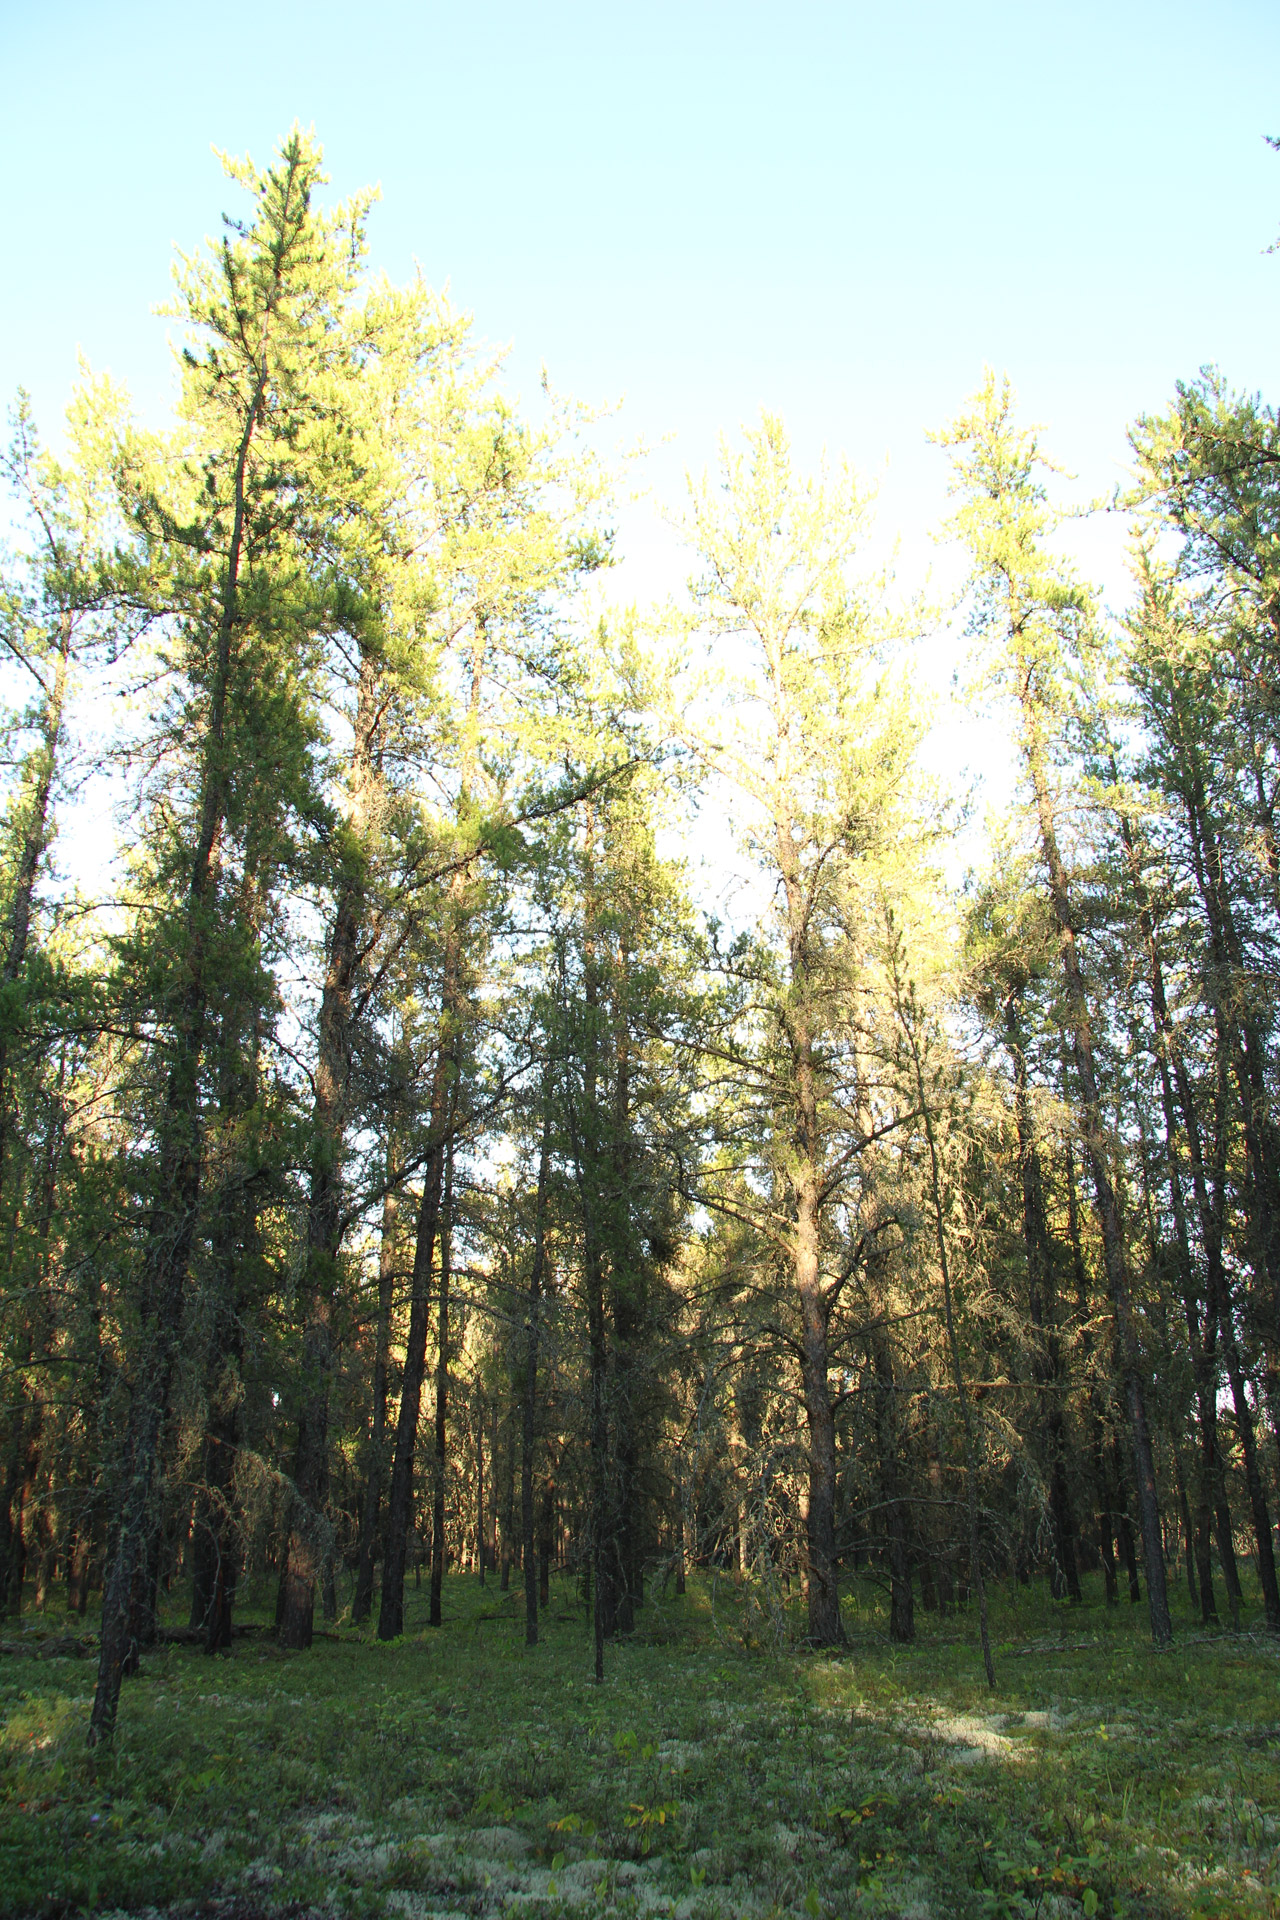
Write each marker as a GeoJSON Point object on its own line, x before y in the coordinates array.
{"type": "Point", "coordinates": [841, 212]}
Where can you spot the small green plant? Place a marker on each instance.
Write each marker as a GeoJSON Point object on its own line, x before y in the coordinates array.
{"type": "Point", "coordinates": [645, 1819]}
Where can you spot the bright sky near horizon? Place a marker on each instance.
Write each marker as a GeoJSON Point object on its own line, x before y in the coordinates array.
{"type": "Point", "coordinates": [840, 211]}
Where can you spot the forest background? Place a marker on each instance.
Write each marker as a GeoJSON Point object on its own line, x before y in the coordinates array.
{"type": "Point", "coordinates": [563, 1015]}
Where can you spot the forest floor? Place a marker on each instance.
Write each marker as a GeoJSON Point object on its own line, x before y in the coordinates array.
{"type": "Point", "coordinates": [458, 1773]}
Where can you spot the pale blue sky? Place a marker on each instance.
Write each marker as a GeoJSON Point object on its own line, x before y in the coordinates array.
{"type": "Point", "coordinates": [838, 210]}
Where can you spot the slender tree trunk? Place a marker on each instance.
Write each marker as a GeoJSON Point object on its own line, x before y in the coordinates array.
{"type": "Point", "coordinates": [546, 1540]}
{"type": "Point", "coordinates": [508, 1525]}
{"type": "Point", "coordinates": [215, 1544]}
{"type": "Point", "coordinates": [628, 1290]}
{"type": "Point", "coordinates": [35, 839]}
{"type": "Point", "coordinates": [1236, 1022]}
{"type": "Point", "coordinates": [481, 1554]}
{"type": "Point", "coordinates": [1189, 1549]}
{"type": "Point", "coordinates": [529, 1397]}
{"type": "Point", "coordinates": [1048, 1354]}
{"type": "Point", "coordinates": [1080, 1038]}
{"type": "Point", "coordinates": [438, 1488]}
{"type": "Point", "coordinates": [307, 1528]}
{"type": "Point", "coordinates": [371, 1508]}
{"type": "Point", "coordinates": [1106, 1530]}
{"type": "Point", "coordinates": [400, 1497]}
{"type": "Point", "coordinates": [680, 1528]}
{"type": "Point", "coordinates": [1253, 1479]}
{"type": "Point", "coordinates": [1124, 1527]}
{"type": "Point", "coordinates": [234, 1236]}
{"type": "Point", "coordinates": [825, 1626]}
{"type": "Point", "coordinates": [1202, 1323]}
{"type": "Point", "coordinates": [902, 1626]}
{"type": "Point", "coordinates": [804, 1152]}
{"type": "Point", "coordinates": [584, 1135]}
{"type": "Point", "coordinates": [908, 1024]}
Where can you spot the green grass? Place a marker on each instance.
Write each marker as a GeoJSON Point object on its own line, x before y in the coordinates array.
{"type": "Point", "coordinates": [459, 1773]}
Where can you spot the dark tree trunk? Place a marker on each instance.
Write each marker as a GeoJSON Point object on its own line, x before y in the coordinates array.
{"type": "Point", "coordinates": [215, 1542]}
{"type": "Point", "coordinates": [529, 1396]}
{"type": "Point", "coordinates": [680, 1542]}
{"type": "Point", "coordinates": [1201, 1314]}
{"type": "Point", "coordinates": [584, 1134]}
{"type": "Point", "coordinates": [216, 1536]}
{"type": "Point", "coordinates": [902, 1626]}
{"type": "Point", "coordinates": [25, 1424]}
{"type": "Point", "coordinates": [35, 839]}
{"type": "Point", "coordinates": [1079, 1035]}
{"type": "Point", "coordinates": [481, 1554]}
{"type": "Point", "coordinates": [308, 1527]}
{"type": "Point", "coordinates": [1188, 1532]}
{"type": "Point", "coordinates": [1101, 1484]}
{"type": "Point", "coordinates": [825, 1626]}
{"type": "Point", "coordinates": [310, 1535]}
{"type": "Point", "coordinates": [1040, 1296]}
{"type": "Point", "coordinates": [1237, 1030]}
{"type": "Point", "coordinates": [78, 1567]}
{"type": "Point", "coordinates": [1253, 1478]}
{"type": "Point", "coordinates": [546, 1540]}
{"type": "Point", "coordinates": [905, 1008]}
{"type": "Point", "coordinates": [1124, 1530]}
{"type": "Point", "coordinates": [508, 1506]}
{"type": "Point", "coordinates": [372, 1504]}
{"type": "Point", "coordinates": [400, 1497]}
{"type": "Point", "coordinates": [442, 1404]}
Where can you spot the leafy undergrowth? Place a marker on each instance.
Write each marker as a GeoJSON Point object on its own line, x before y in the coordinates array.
{"type": "Point", "coordinates": [459, 1773]}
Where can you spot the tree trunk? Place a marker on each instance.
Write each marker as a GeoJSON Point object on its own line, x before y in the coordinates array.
{"type": "Point", "coordinates": [1253, 1478]}
{"type": "Point", "coordinates": [307, 1529]}
{"type": "Point", "coordinates": [172, 1223]}
{"type": "Point", "coordinates": [481, 1554]}
{"type": "Point", "coordinates": [35, 839]}
{"type": "Point", "coordinates": [1188, 1538]}
{"type": "Point", "coordinates": [546, 1540]}
{"type": "Point", "coordinates": [1202, 1322]}
{"type": "Point", "coordinates": [371, 1508]}
{"type": "Point", "coordinates": [1080, 1039]}
{"type": "Point", "coordinates": [907, 1019]}
{"type": "Point", "coordinates": [902, 1627]}
{"type": "Point", "coordinates": [529, 1397]}
{"type": "Point", "coordinates": [400, 1497]}
{"type": "Point", "coordinates": [1048, 1367]}
{"type": "Point", "coordinates": [442, 1404]}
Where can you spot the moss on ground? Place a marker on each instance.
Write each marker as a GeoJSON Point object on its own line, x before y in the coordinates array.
{"type": "Point", "coordinates": [459, 1773]}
